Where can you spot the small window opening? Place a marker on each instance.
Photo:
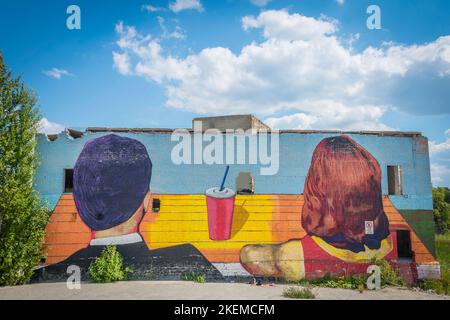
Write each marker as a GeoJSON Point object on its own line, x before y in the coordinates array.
{"type": "Point", "coordinates": [395, 183]}
{"type": "Point", "coordinates": [156, 205]}
{"type": "Point", "coordinates": [404, 244]}
{"type": "Point", "coordinates": [245, 183]}
{"type": "Point", "coordinates": [68, 180]}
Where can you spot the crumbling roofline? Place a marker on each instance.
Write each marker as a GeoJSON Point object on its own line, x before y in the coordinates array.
{"type": "Point", "coordinates": [413, 134]}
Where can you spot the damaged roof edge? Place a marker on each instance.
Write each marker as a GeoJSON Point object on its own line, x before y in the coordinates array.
{"type": "Point", "coordinates": [74, 133]}
{"type": "Point", "coordinates": [166, 130]}
{"type": "Point", "coordinates": [78, 134]}
{"type": "Point", "coordinates": [234, 122]}
{"type": "Point", "coordinates": [144, 130]}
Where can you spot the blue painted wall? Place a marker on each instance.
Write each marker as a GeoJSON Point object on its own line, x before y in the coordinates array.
{"type": "Point", "coordinates": [295, 155]}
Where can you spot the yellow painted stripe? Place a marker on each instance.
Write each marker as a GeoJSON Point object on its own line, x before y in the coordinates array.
{"type": "Point", "coordinates": [222, 245]}
{"type": "Point", "coordinates": [255, 216]}
{"type": "Point", "coordinates": [188, 236]}
{"type": "Point", "coordinates": [238, 197]}
{"type": "Point", "coordinates": [183, 219]}
{"type": "Point", "coordinates": [202, 225]}
{"type": "Point", "coordinates": [254, 209]}
{"type": "Point", "coordinates": [238, 202]}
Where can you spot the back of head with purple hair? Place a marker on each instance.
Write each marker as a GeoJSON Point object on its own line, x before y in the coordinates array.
{"type": "Point", "coordinates": [111, 179]}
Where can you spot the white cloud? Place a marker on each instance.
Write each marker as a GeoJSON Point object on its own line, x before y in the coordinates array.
{"type": "Point", "coordinates": [281, 25]}
{"type": "Point", "coordinates": [301, 69]}
{"type": "Point", "coordinates": [150, 8]}
{"type": "Point", "coordinates": [439, 147]}
{"type": "Point", "coordinates": [440, 161]}
{"type": "Point", "coordinates": [260, 3]}
{"type": "Point", "coordinates": [122, 63]}
{"type": "Point", "coordinates": [436, 148]}
{"type": "Point", "coordinates": [180, 5]}
{"type": "Point", "coordinates": [329, 114]}
{"type": "Point", "coordinates": [48, 127]}
{"type": "Point", "coordinates": [439, 174]}
{"type": "Point", "coordinates": [340, 2]}
{"type": "Point", "coordinates": [56, 73]}
{"type": "Point", "coordinates": [177, 33]}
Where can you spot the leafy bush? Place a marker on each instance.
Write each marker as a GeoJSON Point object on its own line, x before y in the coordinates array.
{"type": "Point", "coordinates": [441, 209]}
{"type": "Point", "coordinates": [196, 277]}
{"type": "Point", "coordinates": [22, 216]}
{"type": "Point", "coordinates": [440, 286]}
{"type": "Point", "coordinates": [443, 250]}
{"type": "Point", "coordinates": [389, 277]}
{"type": "Point", "coordinates": [298, 293]}
{"type": "Point", "coordinates": [108, 267]}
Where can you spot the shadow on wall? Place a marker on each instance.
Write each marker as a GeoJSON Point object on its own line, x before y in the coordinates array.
{"type": "Point", "coordinates": [239, 219]}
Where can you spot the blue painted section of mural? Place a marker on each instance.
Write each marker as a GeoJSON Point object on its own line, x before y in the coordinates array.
{"type": "Point", "coordinates": [295, 157]}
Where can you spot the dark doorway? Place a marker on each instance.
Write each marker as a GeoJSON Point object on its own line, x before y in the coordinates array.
{"type": "Point", "coordinates": [68, 180]}
{"type": "Point", "coordinates": [404, 244]}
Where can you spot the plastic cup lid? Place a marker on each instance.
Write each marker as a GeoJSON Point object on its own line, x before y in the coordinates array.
{"type": "Point", "coordinates": [216, 193]}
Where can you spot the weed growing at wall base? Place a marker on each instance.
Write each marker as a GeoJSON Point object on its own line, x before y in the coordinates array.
{"type": "Point", "coordinates": [298, 293]}
{"type": "Point", "coordinates": [356, 282]}
{"type": "Point", "coordinates": [196, 277]}
{"type": "Point", "coordinates": [109, 266]}
{"type": "Point", "coordinates": [389, 277]}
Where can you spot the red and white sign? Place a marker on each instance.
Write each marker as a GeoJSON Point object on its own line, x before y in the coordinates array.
{"type": "Point", "coordinates": [369, 227]}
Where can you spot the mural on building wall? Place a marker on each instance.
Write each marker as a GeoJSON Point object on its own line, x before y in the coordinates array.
{"type": "Point", "coordinates": [111, 193]}
{"type": "Point", "coordinates": [111, 180]}
{"type": "Point", "coordinates": [337, 226]}
{"type": "Point", "coordinates": [342, 195]}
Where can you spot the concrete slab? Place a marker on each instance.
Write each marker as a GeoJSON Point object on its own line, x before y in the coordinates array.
{"type": "Point", "coordinates": [178, 290]}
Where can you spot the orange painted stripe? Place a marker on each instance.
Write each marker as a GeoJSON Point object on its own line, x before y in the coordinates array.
{"type": "Point", "coordinates": [58, 226]}
{"type": "Point", "coordinates": [65, 233]}
{"type": "Point", "coordinates": [65, 209]}
{"type": "Point", "coordinates": [68, 238]}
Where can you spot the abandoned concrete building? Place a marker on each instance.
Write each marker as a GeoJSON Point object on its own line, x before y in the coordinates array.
{"type": "Point", "coordinates": [336, 201]}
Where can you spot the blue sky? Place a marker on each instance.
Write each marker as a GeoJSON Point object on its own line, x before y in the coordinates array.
{"type": "Point", "coordinates": [304, 64]}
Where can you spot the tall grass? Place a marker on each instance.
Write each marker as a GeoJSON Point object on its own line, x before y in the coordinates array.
{"type": "Point", "coordinates": [196, 277]}
{"type": "Point", "coordinates": [441, 286]}
{"type": "Point", "coordinates": [298, 293]}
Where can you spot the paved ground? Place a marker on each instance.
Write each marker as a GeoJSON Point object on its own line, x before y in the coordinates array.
{"type": "Point", "coordinates": [194, 291]}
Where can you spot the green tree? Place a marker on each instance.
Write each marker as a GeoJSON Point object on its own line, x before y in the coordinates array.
{"type": "Point", "coordinates": [22, 216]}
{"type": "Point", "coordinates": [441, 209]}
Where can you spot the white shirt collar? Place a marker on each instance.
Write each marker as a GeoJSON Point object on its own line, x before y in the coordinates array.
{"type": "Point", "coordinates": [124, 239]}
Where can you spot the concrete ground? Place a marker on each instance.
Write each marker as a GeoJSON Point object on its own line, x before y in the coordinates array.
{"type": "Point", "coordinates": [174, 290]}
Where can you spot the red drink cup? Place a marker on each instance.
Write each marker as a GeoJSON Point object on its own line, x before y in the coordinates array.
{"type": "Point", "coordinates": [220, 206]}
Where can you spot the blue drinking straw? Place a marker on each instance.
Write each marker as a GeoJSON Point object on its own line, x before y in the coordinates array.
{"type": "Point", "coordinates": [224, 178]}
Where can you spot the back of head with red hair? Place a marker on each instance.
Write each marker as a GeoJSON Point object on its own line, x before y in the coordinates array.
{"type": "Point", "coordinates": [342, 191]}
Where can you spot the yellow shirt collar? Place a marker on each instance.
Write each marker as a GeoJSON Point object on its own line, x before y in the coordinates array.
{"type": "Point", "coordinates": [349, 256]}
